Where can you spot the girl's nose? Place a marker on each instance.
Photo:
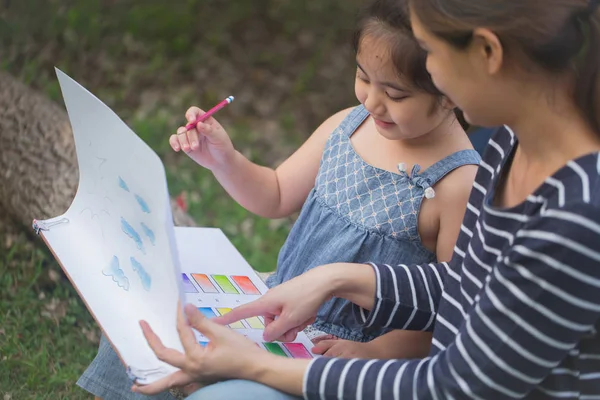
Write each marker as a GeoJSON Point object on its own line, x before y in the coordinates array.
{"type": "Point", "coordinates": [374, 103]}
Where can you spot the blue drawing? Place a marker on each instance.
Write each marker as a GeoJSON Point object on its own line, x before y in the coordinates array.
{"type": "Point", "coordinates": [123, 185]}
{"type": "Point", "coordinates": [129, 231]}
{"type": "Point", "coordinates": [144, 277]}
{"type": "Point", "coordinates": [149, 233]}
{"type": "Point", "coordinates": [143, 204]}
{"type": "Point", "coordinates": [114, 270]}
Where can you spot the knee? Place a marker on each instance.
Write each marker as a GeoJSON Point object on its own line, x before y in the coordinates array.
{"type": "Point", "coordinates": [239, 390]}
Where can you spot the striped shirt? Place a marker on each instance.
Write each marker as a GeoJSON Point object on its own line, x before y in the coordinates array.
{"type": "Point", "coordinates": [515, 314]}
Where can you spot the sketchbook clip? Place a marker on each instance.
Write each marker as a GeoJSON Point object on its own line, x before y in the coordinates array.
{"type": "Point", "coordinates": [39, 226]}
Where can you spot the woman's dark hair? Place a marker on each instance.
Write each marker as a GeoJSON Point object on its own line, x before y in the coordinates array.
{"type": "Point", "coordinates": [558, 36]}
{"type": "Point", "coordinates": [389, 19]}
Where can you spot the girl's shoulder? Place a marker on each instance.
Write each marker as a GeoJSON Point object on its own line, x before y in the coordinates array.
{"type": "Point", "coordinates": [334, 122]}
{"type": "Point", "coordinates": [349, 116]}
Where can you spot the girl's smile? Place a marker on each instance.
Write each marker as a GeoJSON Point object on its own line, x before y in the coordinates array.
{"type": "Point", "coordinates": [383, 124]}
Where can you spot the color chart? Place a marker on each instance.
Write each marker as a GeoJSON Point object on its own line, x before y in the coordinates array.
{"type": "Point", "coordinates": [220, 284]}
{"type": "Point", "coordinates": [292, 350]}
{"type": "Point", "coordinates": [215, 278]}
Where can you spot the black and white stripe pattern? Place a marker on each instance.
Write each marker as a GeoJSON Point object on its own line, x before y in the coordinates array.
{"type": "Point", "coordinates": [516, 312]}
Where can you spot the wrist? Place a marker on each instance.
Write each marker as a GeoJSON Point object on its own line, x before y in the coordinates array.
{"type": "Point", "coordinates": [228, 165]}
{"type": "Point", "coordinates": [284, 374]}
{"type": "Point", "coordinates": [260, 367]}
{"type": "Point", "coordinates": [353, 282]}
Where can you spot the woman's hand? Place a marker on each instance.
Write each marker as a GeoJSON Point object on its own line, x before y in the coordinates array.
{"type": "Point", "coordinates": [287, 308]}
{"type": "Point", "coordinates": [208, 144]}
{"type": "Point", "coordinates": [292, 306]}
{"type": "Point", "coordinates": [227, 355]}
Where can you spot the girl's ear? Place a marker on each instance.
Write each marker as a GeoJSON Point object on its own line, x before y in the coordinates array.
{"type": "Point", "coordinates": [487, 49]}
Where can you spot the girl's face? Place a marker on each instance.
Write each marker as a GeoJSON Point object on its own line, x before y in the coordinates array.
{"type": "Point", "coordinates": [399, 110]}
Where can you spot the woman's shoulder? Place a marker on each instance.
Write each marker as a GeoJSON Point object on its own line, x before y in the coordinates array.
{"type": "Point", "coordinates": [577, 183]}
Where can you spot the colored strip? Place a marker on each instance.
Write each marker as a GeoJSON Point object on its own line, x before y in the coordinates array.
{"type": "Point", "coordinates": [275, 349]}
{"type": "Point", "coordinates": [255, 323]}
{"type": "Point", "coordinates": [246, 284]}
{"type": "Point", "coordinates": [203, 344]}
{"type": "Point", "coordinates": [205, 283]}
{"type": "Point", "coordinates": [225, 285]}
{"type": "Point", "coordinates": [188, 286]}
{"type": "Point", "coordinates": [207, 311]}
{"type": "Point", "coordinates": [235, 325]}
{"type": "Point", "coordinates": [297, 350]}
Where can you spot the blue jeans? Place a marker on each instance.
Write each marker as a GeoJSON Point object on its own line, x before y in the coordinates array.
{"type": "Point", "coordinates": [106, 378]}
{"type": "Point", "coordinates": [239, 390]}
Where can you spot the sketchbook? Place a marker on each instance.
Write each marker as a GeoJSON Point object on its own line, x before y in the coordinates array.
{"type": "Point", "coordinates": [119, 248]}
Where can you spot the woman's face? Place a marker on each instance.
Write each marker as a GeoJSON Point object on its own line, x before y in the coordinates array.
{"type": "Point", "coordinates": [464, 77]}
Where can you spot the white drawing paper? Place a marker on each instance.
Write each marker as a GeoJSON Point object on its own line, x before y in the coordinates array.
{"type": "Point", "coordinates": [119, 248]}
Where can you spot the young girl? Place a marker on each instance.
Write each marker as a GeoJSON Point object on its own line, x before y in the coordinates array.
{"type": "Point", "coordinates": [388, 177]}
{"type": "Point", "coordinates": [518, 315]}
{"type": "Point", "coordinates": [391, 176]}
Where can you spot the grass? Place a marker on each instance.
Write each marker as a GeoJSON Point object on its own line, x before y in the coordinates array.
{"type": "Point", "coordinates": [287, 62]}
{"type": "Point", "coordinates": [47, 336]}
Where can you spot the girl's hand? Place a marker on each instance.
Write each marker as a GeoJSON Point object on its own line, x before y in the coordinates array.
{"type": "Point", "coordinates": [227, 355]}
{"type": "Point", "coordinates": [394, 344]}
{"type": "Point", "coordinates": [344, 349]}
{"type": "Point", "coordinates": [208, 144]}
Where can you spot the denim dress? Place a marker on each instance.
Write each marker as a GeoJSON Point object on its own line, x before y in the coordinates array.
{"type": "Point", "coordinates": [358, 213]}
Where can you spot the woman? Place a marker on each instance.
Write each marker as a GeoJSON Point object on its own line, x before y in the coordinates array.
{"type": "Point", "coordinates": [518, 313]}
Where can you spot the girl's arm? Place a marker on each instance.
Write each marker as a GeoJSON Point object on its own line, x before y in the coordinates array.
{"type": "Point", "coordinates": [454, 191]}
{"type": "Point", "coordinates": [394, 344]}
{"type": "Point", "coordinates": [280, 192]}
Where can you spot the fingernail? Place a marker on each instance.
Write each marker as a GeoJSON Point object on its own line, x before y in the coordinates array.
{"type": "Point", "coordinates": [194, 145]}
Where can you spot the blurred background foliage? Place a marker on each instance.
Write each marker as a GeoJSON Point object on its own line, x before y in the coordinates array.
{"type": "Point", "coordinates": [288, 62]}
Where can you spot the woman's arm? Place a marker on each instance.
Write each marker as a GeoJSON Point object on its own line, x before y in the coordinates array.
{"type": "Point", "coordinates": [400, 297]}
{"type": "Point", "coordinates": [540, 301]}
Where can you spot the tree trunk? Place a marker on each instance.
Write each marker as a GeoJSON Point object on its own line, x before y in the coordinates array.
{"type": "Point", "coordinates": [38, 164]}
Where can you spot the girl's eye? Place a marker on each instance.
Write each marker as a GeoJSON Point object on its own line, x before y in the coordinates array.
{"type": "Point", "coordinates": [362, 78]}
{"type": "Point", "coordinates": [394, 98]}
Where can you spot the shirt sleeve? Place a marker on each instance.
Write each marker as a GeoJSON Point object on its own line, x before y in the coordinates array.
{"type": "Point", "coordinates": [407, 296]}
{"type": "Point", "coordinates": [540, 300]}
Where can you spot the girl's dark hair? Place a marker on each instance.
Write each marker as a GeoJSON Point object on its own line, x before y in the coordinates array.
{"type": "Point", "coordinates": [389, 19]}
{"type": "Point", "coordinates": [558, 36]}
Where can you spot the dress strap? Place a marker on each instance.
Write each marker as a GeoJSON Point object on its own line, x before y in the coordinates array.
{"type": "Point", "coordinates": [428, 178]}
{"type": "Point", "coordinates": [353, 120]}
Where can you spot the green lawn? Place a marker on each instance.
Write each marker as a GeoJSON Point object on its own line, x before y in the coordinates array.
{"type": "Point", "coordinates": [287, 62]}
